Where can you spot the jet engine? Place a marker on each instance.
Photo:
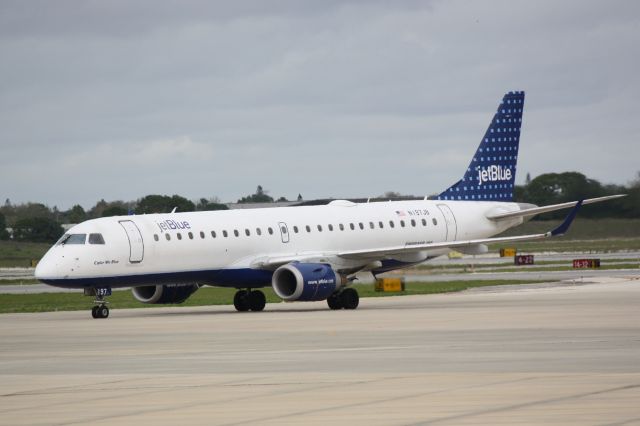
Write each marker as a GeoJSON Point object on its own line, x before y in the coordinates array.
{"type": "Point", "coordinates": [305, 281]}
{"type": "Point", "coordinates": [164, 294]}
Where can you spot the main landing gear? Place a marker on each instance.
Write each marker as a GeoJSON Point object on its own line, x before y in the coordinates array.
{"type": "Point", "coordinates": [249, 300]}
{"type": "Point", "coordinates": [345, 299]}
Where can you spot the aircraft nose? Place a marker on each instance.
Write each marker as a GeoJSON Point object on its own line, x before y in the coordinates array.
{"type": "Point", "coordinates": [46, 269]}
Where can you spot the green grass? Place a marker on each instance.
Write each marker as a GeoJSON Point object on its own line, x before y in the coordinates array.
{"type": "Point", "coordinates": [20, 254]}
{"type": "Point", "coordinates": [21, 281]}
{"type": "Point", "coordinates": [631, 266]}
{"type": "Point", "coordinates": [507, 263]}
{"type": "Point", "coordinates": [584, 229]}
{"type": "Point", "coordinates": [51, 302]}
{"type": "Point", "coordinates": [564, 244]}
{"type": "Point", "coordinates": [585, 235]}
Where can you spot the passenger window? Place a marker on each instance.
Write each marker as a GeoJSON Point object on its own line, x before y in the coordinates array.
{"type": "Point", "coordinates": [155, 237]}
{"type": "Point", "coordinates": [97, 239]}
{"type": "Point", "coordinates": [270, 229]}
{"type": "Point", "coordinates": [435, 222]}
{"type": "Point", "coordinates": [319, 228]}
{"type": "Point", "coordinates": [381, 225]}
{"type": "Point", "coordinates": [213, 234]}
{"type": "Point", "coordinates": [391, 224]}
{"type": "Point", "coordinates": [371, 225]}
{"type": "Point", "coordinates": [352, 226]}
{"type": "Point", "coordinates": [295, 229]}
{"type": "Point", "coordinates": [413, 222]}
{"type": "Point", "coordinates": [179, 236]}
{"type": "Point", "coordinates": [236, 233]}
{"type": "Point", "coordinates": [225, 233]}
{"type": "Point", "coordinates": [308, 228]}
{"type": "Point", "coordinates": [402, 223]}
{"type": "Point", "coordinates": [341, 226]}
{"type": "Point", "coordinates": [168, 237]}
{"type": "Point", "coordinates": [424, 222]}
{"type": "Point", "coordinates": [361, 225]}
{"type": "Point", "coordinates": [202, 235]}
{"type": "Point", "coordinates": [191, 235]}
{"type": "Point", "coordinates": [258, 231]}
{"type": "Point", "coordinates": [330, 226]}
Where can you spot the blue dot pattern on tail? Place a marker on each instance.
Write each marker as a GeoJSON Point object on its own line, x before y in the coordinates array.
{"type": "Point", "coordinates": [491, 174]}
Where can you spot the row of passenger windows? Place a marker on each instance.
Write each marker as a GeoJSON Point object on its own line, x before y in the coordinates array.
{"type": "Point", "coordinates": [353, 226]}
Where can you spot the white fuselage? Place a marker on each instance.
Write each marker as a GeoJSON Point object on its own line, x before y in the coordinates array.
{"type": "Point", "coordinates": [227, 248]}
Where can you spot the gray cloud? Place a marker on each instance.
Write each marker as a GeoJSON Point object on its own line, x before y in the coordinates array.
{"type": "Point", "coordinates": [117, 100]}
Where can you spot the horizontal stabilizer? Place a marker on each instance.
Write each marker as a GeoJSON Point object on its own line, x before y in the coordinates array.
{"type": "Point", "coordinates": [538, 210]}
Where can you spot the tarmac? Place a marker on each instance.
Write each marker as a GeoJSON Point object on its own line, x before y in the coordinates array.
{"type": "Point", "coordinates": [554, 354]}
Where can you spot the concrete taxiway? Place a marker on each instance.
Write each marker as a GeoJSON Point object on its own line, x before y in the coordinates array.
{"type": "Point", "coordinates": [533, 354]}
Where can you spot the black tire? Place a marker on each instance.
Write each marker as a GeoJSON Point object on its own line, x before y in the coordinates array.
{"type": "Point", "coordinates": [103, 312]}
{"type": "Point", "coordinates": [349, 298]}
{"type": "Point", "coordinates": [94, 312]}
{"type": "Point", "coordinates": [240, 301]}
{"type": "Point", "coordinates": [334, 302]}
{"type": "Point", "coordinates": [257, 300]}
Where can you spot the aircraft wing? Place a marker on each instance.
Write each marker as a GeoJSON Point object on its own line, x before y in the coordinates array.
{"type": "Point", "coordinates": [388, 251]}
{"type": "Point", "coordinates": [538, 210]}
{"type": "Point", "coordinates": [273, 262]}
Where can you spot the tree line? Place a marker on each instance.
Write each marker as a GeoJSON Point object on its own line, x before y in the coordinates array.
{"type": "Point", "coordinates": [37, 222]}
{"type": "Point", "coordinates": [555, 188]}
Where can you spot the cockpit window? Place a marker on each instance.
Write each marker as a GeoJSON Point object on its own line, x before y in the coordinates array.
{"type": "Point", "coordinates": [72, 239]}
{"type": "Point", "coordinates": [96, 239]}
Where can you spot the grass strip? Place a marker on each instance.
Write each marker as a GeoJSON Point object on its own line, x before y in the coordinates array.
{"type": "Point", "coordinates": [52, 302]}
{"type": "Point", "coordinates": [19, 281]}
{"type": "Point", "coordinates": [509, 263]}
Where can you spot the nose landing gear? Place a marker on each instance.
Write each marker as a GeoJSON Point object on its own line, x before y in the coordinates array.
{"type": "Point", "coordinates": [101, 310]}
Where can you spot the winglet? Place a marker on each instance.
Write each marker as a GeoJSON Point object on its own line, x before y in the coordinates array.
{"type": "Point", "coordinates": [564, 226]}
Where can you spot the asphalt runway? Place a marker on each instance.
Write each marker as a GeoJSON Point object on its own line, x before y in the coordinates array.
{"type": "Point", "coordinates": [567, 354]}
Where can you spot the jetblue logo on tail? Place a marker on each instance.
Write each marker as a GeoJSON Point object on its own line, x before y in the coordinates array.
{"type": "Point", "coordinates": [492, 172]}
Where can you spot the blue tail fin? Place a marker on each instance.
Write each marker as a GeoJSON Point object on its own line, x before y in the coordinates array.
{"type": "Point", "coordinates": [492, 173]}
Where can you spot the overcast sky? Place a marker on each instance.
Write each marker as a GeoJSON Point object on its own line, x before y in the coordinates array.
{"type": "Point", "coordinates": [120, 99]}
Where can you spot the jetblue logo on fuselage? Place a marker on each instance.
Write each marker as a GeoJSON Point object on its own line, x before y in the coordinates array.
{"type": "Point", "coordinates": [168, 224]}
{"type": "Point", "coordinates": [493, 173]}
{"type": "Point", "coordinates": [321, 281]}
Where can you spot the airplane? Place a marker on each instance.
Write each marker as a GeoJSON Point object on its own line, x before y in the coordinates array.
{"type": "Point", "coordinates": [305, 253]}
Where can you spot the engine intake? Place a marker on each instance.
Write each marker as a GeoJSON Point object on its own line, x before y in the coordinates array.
{"type": "Point", "coordinates": [305, 281]}
{"type": "Point", "coordinates": [164, 294]}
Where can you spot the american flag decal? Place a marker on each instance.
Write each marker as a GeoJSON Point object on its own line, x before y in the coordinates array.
{"type": "Point", "coordinates": [400, 213]}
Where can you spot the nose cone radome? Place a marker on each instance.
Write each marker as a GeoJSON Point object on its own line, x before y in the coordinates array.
{"type": "Point", "coordinates": [46, 268]}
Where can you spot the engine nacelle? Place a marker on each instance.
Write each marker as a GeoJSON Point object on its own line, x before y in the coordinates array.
{"type": "Point", "coordinates": [164, 294]}
{"type": "Point", "coordinates": [305, 281]}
